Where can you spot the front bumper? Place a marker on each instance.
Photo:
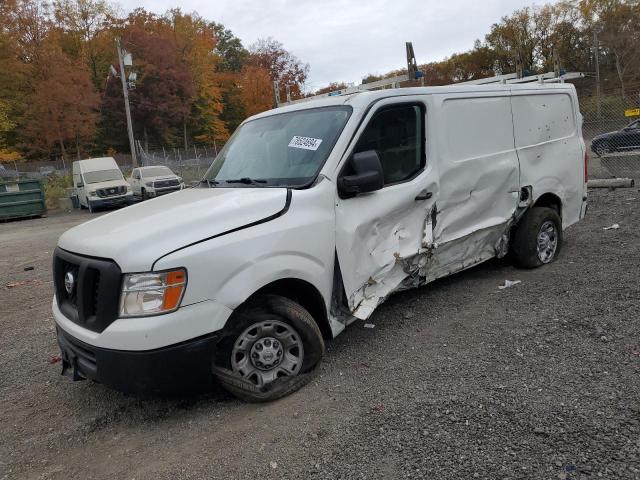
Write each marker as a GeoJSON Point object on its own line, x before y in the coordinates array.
{"type": "Point", "coordinates": [156, 192]}
{"type": "Point", "coordinates": [98, 202]}
{"type": "Point", "coordinates": [185, 367]}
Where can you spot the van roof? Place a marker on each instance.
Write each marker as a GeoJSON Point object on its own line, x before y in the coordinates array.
{"type": "Point", "coordinates": [99, 163]}
{"type": "Point", "coordinates": [364, 98]}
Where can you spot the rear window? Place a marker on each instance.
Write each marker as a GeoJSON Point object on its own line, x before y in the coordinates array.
{"type": "Point", "coordinates": [542, 118]}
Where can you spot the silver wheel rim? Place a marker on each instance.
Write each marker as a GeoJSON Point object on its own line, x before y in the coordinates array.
{"type": "Point", "coordinates": [266, 351]}
{"type": "Point", "coordinates": [547, 241]}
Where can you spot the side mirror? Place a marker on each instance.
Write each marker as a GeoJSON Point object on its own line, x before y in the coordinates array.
{"type": "Point", "coordinates": [79, 184]}
{"type": "Point", "coordinates": [367, 177]}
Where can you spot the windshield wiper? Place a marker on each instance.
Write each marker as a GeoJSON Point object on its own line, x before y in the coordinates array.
{"type": "Point", "coordinates": [209, 183]}
{"type": "Point", "coordinates": [245, 180]}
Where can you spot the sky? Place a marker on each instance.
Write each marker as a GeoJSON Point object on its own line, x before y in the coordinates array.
{"type": "Point", "coordinates": [345, 41]}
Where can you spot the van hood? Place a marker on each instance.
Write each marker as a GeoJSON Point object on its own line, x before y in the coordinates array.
{"type": "Point", "coordinates": [136, 236]}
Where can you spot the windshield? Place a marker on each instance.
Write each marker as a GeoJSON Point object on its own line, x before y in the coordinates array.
{"type": "Point", "coordinates": [286, 149]}
{"type": "Point", "coordinates": [98, 176]}
{"type": "Point", "coordinates": [155, 171]}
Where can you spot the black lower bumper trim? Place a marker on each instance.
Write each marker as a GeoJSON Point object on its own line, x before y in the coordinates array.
{"type": "Point", "coordinates": [181, 368]}
{"type": "Point", "coordinates": [112, 202]}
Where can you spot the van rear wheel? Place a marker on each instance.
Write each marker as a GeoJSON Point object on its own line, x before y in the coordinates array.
{"type": "Point", "coordinates": [538, 238]}
{"type": "Point", "coordinates": [271, 348]}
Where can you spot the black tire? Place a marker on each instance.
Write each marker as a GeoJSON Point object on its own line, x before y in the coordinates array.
{"type": "Point", "coordinates": [269, 308]}
{"type": "Point", "coordinates": [143, 194]}
{"type": "Point", "coordinates": [524, 243]}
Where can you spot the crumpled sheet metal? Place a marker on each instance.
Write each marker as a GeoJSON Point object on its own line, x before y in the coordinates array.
{"type": "Point", "coordinates": [405, 268]}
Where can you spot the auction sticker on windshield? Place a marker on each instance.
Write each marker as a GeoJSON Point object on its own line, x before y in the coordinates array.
{"type": "Point", "coordinates": [308, 143]}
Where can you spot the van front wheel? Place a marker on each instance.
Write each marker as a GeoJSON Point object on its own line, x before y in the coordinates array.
{"type": "Point", "coordinates": [538, 238]}
{"type": "Point", "coordinates": [271, 348]}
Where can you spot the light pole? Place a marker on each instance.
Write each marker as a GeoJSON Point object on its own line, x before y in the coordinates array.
{"type": "Point", "coordinates": [125, 92]}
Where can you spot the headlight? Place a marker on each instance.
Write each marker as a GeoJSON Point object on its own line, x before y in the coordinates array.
{"type": "Point", "coordinates": [149, 184]}
{"type": "Point", "coordinates": [152, 293]}
{"type": "Point", "coordinates": [92, 193]}
{"type": "Point", "coordinates": [180, 179]}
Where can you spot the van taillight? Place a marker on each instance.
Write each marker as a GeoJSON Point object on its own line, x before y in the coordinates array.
{"type": "Point", "coordinates": [586, 167]}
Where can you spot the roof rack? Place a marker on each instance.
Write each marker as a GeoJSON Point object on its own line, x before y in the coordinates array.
{"type": "Point", "coordinates": [557, 76]}
{"type": "Point", "coordinates": [512, 78]}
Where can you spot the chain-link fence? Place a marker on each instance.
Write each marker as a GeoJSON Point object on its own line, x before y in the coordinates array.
{"type": "Point", "coordinates": [611, 129]}
{"type": "Point", "coordinates": [190, 163]}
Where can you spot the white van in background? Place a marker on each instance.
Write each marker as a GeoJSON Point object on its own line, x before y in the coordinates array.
{"type": "Point", "coordinates": [98, 183]}
{"type": "Point", "coordinates": [307, 220]}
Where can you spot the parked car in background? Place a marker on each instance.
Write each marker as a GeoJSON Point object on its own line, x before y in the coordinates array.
{"type": "Point", "coordinates": [627, 138]}
{"type": "Point", "coordinates": [46, 171]}
{"type": "Point", "coordinates": [154, 181]}
{"type": "Point", "coordinates": [99, 183]}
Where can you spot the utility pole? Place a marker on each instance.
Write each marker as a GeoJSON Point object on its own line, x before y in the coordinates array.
{"type": "Point", "coordinates": [125, 92]}
{"type": "Point", "coordinates": [276, 94]}
{"type": "Point", "coordinates": [596, 47]}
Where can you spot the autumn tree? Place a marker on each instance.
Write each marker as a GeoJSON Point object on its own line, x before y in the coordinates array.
{"type": "Point", "coordinates": [256, 92]}
{"type": "Point", "coordinates": [332, 87]}
{"type": "Point", "coordinates": [284, 67]}
{"type": "Point", "coordinates": [196, 42]}
{"type": "Point", "coordinates": [63, 107]}
{"type": "Point", "coordinates": [86, 29]}
{"type": "Point", "coordinates": [619, 24]}
{"type": "Point", "coordinates": [512, 39]}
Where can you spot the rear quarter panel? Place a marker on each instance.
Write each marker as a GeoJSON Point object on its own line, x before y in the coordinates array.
{"type": "Point", "coordinates": [548, 139]}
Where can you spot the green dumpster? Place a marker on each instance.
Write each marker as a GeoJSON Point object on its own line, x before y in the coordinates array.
{"type": "Point", "coordinates": [21, 199]}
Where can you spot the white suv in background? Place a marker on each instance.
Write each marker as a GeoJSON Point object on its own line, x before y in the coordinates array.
{"type": "Point", "coordinates": [154, 181]}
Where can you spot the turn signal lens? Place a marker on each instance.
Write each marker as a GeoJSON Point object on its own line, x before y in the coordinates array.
{"type": "Point", "coordinates": [173, 292]}
{"type": "Point", "coordinates": [152, 293]}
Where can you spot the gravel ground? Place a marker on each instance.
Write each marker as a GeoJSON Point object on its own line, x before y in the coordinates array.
{"type": "Point", "coordinates": [457, 380]}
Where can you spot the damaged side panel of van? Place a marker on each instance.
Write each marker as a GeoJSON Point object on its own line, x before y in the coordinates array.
{"type": "Point", "coordinates": [474, 187]}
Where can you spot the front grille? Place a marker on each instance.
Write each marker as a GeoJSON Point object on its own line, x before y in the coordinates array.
{"type": "Point", "coordinates": [111, 191]}
{"type": "Point", "coordinates": [93, 299]}
{"type": "Point", "coordinates": [166, 183]}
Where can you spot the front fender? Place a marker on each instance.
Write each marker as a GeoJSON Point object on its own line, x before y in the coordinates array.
{"type": "Point", "coordinates": [251, 277]}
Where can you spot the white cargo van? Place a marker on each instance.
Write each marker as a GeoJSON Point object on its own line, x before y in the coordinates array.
{"type": "Point", "coordinates": [98, 182]}
{"type": "Point", "coordinates": [308, 219]}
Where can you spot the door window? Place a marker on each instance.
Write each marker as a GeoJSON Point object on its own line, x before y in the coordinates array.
{"type": "Point", "coordinates": [397, 135]}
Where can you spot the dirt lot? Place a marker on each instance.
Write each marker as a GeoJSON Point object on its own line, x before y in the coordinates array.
{"type": "Point", "coordinates": [457, 380]}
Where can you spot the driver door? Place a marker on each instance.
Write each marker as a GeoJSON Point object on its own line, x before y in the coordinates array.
{"type": "Point", "coordinates": [379, 235]}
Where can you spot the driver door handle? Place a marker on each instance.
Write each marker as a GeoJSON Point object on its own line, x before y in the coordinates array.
{"type": "Point", "coordinates": [423, 195]}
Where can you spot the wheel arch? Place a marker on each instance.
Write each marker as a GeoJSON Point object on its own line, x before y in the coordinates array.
{"type": "Point", "coordinates": [303, 293]}
{"type": "Point", "coordinates": [550, 200]}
